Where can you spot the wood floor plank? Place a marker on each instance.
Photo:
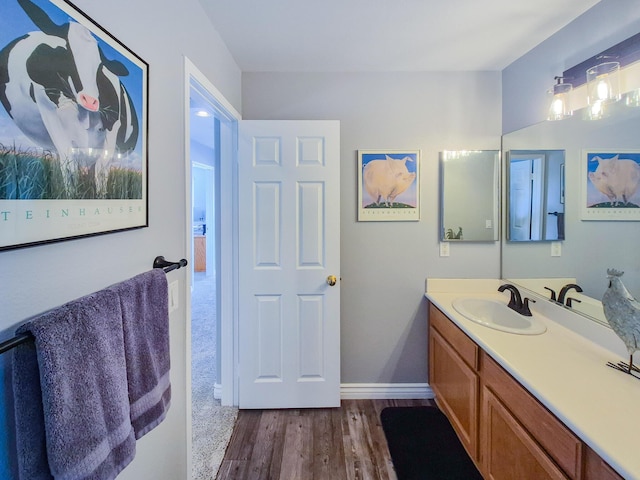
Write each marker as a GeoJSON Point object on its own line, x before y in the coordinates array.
{"type": "Point", "coordinates": [352, 464]}
{"type": "Point", "coordinates": [233, 469]}
{"type": "Point", "coordinates": [328, 454]}
{"type": "Point", "coordinates": [243, 436]}
{"type": "Point", "coordinates": [345, 443]}
{"type": "Point", "coordinates": [297, 454]}
{"type": "Point", "coordinates": [361, 439]}
{"type": "Point", "coordinates": [267, 448]}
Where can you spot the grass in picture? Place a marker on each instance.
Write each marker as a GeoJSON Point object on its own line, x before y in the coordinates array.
{"type": "Point", "coordinates": [29, 174]}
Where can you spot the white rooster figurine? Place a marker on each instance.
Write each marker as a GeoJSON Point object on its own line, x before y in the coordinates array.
{"type": "Point", "coordinates": [622, 311]}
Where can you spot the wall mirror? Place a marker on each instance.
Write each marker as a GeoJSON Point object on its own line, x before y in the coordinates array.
{"type": "Point", "coordinates": [535, 195]}
{"type": "Point", "coordinates": [590, 246]}
{"type": "Point", "coordinates": [469, 189]}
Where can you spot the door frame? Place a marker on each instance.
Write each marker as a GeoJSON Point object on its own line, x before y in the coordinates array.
{"type": "Point", "coordinates": [228, 252]}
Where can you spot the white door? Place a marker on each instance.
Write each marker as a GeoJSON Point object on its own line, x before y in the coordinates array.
{"type": "Point", "coordinates": [289, 246]}
{"type": "Point", "coordinates": [519, 199]}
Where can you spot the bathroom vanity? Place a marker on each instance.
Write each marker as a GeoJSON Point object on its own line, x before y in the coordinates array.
{"type": "Point", "coordinates": [541, 406]}
{"type": "Point", "coordinates": [200, 253]}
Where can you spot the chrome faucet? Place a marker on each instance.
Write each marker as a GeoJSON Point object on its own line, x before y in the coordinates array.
{"type": "Point", "coordinates": [515, 302]}
{"type": "Point", "coordinates": [565, 289]}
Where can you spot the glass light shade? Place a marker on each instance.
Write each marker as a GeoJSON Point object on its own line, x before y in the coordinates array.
{"type": "Point", "coordinates": [603, 83]}
{"type": "Point", "coordinates": [632, 98]}
{"type": "Point", "coordinates": [597, 110]}
{"type": "Point", "coordinates": [560, 102]}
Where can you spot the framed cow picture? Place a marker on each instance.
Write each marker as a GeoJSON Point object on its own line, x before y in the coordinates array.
{"type": "Point", "coordinates": [610, 184]}
{"type": "Point", "coordinates": [73, 127]}
{"type": "Point", "coordinates": [388, 185]}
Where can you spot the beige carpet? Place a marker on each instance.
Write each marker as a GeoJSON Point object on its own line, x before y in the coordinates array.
{"type": "Point", "coordinates": [212, 423]}
{"type": "Point", "coordinates": [211, 435]}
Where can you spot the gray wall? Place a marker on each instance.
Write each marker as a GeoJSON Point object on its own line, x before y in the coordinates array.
{"type": "Point", "coordinates": [35, 279]}
{"type": "Point", "coordinates": [384, 264]}
{"type": "Point", "coordinates": [526, 81]}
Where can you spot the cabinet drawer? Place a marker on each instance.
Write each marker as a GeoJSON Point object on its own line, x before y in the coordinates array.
{"type": "Point", "coordinates": [559, 442]}
{"type": "Point", "coordinates": [463, 345]}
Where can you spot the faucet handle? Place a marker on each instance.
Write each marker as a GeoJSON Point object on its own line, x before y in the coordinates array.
{"type": "Point", "coordinates": [553, 293]}
{"type": "Point", "coordinates": [570, 301]}
{"type": "Point", "coordinates": [525, 307]}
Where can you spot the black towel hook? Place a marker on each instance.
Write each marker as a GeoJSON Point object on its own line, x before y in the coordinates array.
{"type": "Point", "coordinates": [160, 262]}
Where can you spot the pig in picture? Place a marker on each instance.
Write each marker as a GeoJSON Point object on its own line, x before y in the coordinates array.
{"type": "Point", "coordinates": [613, 180]}
{"type": "Point", "coordinates": [387, 180]}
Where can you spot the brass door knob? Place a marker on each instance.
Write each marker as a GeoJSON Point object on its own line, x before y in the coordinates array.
{"type": "Point", "coordinates": [331, 280]}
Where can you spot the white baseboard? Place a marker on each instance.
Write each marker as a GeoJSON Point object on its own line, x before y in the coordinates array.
{"type": "Point", "coordinates": [370, 391]}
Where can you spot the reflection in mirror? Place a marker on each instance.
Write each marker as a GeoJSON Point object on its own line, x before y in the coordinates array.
{"type": "Point", "coordinates": [535, 195]}
{"type": "Point", "coordinates": [590, 246]}
{"type": "Point", "coordinates": [469, 189]}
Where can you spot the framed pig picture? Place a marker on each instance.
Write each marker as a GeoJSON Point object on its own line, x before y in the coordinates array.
{"type": "Point", "coordinates": [388, 185]}
{"type": "Point", "coordinates": [73, 127]}
{"type": "Point", "coordinates": [610, 184]}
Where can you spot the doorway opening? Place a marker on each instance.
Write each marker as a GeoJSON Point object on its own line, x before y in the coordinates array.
{"type": "Point", "coordinates": [211, 132]}
{"type": "Point", "coordinates": [204, 140]}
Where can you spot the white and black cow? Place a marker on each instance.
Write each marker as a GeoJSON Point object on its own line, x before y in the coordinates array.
{"type": "Point", "coordinates": [61, 91]}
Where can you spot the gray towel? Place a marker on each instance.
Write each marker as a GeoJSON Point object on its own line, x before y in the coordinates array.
{"type": "Point", "coordinates": [81, 407]}
{"type": "Point", "coordinates": [145, 319]}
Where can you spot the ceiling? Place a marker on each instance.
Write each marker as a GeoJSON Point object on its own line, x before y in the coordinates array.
{"type": "Point", "coordinates": [385, 35]}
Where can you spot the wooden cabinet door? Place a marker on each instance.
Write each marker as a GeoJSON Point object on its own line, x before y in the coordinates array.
{"type": "Point", "coordinates": [553, 436]}
{"type": "Point", "coordinates": [456, 387]}
{"type": "Point", "coordinates": [507, 450]}
{"type": "Point", "coordinates": [200, 247]}
{"type": "Point", "coordinates": [596, 468]}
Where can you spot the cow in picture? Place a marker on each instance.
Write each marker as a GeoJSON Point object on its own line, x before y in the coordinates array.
{"type": "Point", "coordinates": [66, 96]}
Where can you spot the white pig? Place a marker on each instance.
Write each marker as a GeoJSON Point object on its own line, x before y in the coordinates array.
{"type": "Point", "coordinates": [386, 179]}
{"type": "Point", "coordinates": [617, 178]}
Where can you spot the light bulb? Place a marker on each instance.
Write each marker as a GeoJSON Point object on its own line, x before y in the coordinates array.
{"type": "Point", "coordinates": [602, 90]}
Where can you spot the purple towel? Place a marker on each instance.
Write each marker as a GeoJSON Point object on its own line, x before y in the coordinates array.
{"type": "Point", "coordinates": [145, 319]}
{"type": "Point", "coordinates": [71, 393]}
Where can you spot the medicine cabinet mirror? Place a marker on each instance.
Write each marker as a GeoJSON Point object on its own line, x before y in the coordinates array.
{"type": "Point", "coordinates": [469, 187]}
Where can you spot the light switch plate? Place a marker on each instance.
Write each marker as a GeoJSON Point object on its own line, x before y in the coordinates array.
{"type": "Point", "coordinates": [174, 296]}
{"type": "Point", "coordinates": [444, 249]}
{"type": "Point", "coordinates": [556, 249]}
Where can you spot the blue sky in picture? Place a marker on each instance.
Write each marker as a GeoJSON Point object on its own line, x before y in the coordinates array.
{"type": "Point", "coordinates": [622, 175]}
{"type": "Point", "coordinates": [15, 23]}
{"type": "Point", "coordinates": [409, 196]}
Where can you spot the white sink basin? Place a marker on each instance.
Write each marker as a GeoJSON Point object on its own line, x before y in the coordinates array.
{"type": "Point", "coordinates": [496, 315]}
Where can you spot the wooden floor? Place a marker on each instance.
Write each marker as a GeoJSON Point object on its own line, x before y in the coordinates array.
{"type": "Point", "coordinates": [312, 444]}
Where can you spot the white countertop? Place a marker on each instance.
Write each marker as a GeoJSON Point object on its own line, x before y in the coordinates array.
{"type": "Point", "coordinates": [564, 368]}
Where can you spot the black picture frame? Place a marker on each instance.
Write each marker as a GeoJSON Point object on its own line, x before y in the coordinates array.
{"type": "Point", "coordinates": [74, 153]}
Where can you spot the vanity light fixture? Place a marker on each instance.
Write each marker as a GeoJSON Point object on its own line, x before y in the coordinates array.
{"type": "Point", "coordinates": [560, 103]}
{"type": "Point", "coordinates": [601, 82]}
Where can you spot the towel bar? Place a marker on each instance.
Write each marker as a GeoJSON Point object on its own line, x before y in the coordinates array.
{"type": "Point", "coordinates": [158, 262]}
{"type": "Point", "coordinates": [14, 342]}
